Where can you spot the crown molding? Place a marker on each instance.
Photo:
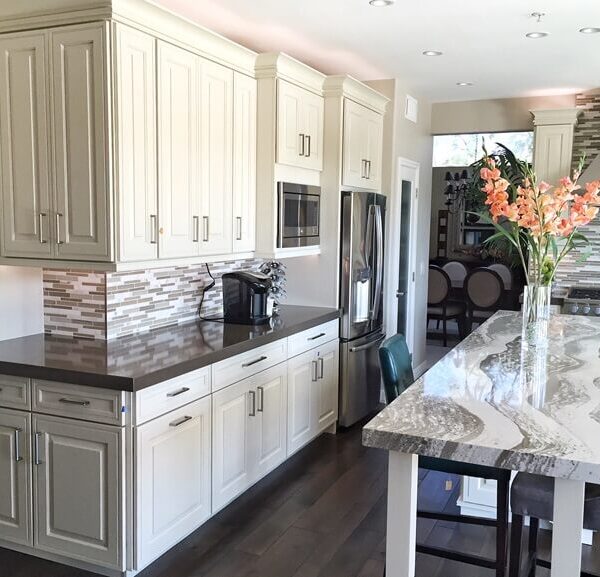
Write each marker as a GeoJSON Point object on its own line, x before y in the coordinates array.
{"type": "Point", "coordinates": [348, 87]}
{"type": "Point", "coordinates": [280, 65]}
{"type": "Point", "coordinates": [556, 116]}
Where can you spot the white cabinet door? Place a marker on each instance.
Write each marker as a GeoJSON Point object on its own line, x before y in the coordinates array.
{"type": "Point", "coordinates": [15, 477]}
{"type": "Point", "coordinates": [271, 418]}
{"type": "Point", "coordinates": [290, 119]}
{"type": "Point", "coordinates": [326, 387]}
{"type": "Point", "coordinates": [244, 163]}
{"type": "Point", "coordinates": [82, 193]}
{"type": "Point", "coordinates": [178, 151]}
{"type": "Point", "coordinates": [232, 442]}
{"type": "Point", "coordinates": [136, 143]}
{"type": "Point", "coordinates": [355, 137]}
{"type": "Point", "coordinates": [374, 149]}
{"type": "Point", "coordinates": [302, 377]}
{"type": "Point", "coordinates": [313, 106]}
{"type": "Point", "coordinates": [78, 489]}
{"type": "Point", "coordinates": [24, 140]}
{"type": "Point", "coordinates": [173, 478]}
{"type": "Point", "coordinates": [216, 153]}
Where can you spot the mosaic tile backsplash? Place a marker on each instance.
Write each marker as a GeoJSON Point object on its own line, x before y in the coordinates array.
{"type": "Point", "coordinates": [110, 305]}
{"type": "Point", "coordinates": [573, 270]}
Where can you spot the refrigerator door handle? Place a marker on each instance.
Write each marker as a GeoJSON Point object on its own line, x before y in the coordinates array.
{"type": "Point", "coordinates": [369, 235]}
{"type": "Point", "coordinates": [368, 345]}
{"type": "Point", "coordinates": [379, 267]}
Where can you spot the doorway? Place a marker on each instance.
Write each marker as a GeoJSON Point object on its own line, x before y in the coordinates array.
{"type": "Point", "coordinates": [401, 265]}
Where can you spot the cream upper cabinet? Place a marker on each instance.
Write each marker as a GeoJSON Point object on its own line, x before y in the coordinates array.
{"type": "Point", "coordinates": [135, 121]}
{"type": "Point", "coordinates": [78, 488]}
{"type": "Point", "coordinates": [216, 159]}
{"type": "Point", "coordinates": [15, 477]}
{"type": "Point", "coordinates": [82, 217]}
{"type": "Point", "coordinates": [173, 478]}
{"type": "Point", "coordinates": [362, 146]}
{"type": "Point", "coordinates": [299, 126]}
{"type": "Point", "coordinates": [24, 139]}
{"type": "Point", "coordinates": [244, 163]}
{"type": "Point", "coordinates": [178, 151]}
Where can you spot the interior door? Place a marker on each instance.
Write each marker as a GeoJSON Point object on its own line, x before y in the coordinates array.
{"type": "Point", "coordinates": [82, 194]}
{"type": "Point", "coordinates": [404, 274]}
{"type": "Point", "coordinates": [302, 373]}
{"type": "Point", "coordinates": [25, 146]}
{"type": "Point", "coordinates": [15, 477]}
{"type": "Point", "coordinates": [78, 489]}
{"type": "Point", "coordinates": [178, 151]}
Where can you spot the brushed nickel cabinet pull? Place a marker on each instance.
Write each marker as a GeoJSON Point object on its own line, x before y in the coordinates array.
{"type": "Point", "coordinates": [308, 145]}
{"type": "Point", "coordinates": [315, 337]}
{"type": "Point", "coordinates": [261, 398]}
{"type": "Point", "coordinates": [249, 364]}
{"type": "Point", "coordinates": [314, 371]}
{"type": "Point", "coordinates": [239, 227]}
{"type": "Point", "coordinates": [321, 367]}
{"type": "Point", "coordinates": [205, 228]}
{"type": "Point", "coordinates": [58, 217]}
{"type": "Point", "coordinates": [302, 140]}
{"type": "Point", "coordinates": [36, 449]}
{"type": "Point", "coordinates": [368, 169]}
{"type": "Point", "coordinates": [180, 421]}
{"type": "Point", "coordinates": [178, 392]}
{"type": "Point", "coordinates": [74, 402]}
{"type": "Point", "coordinates": [18, 456]}
{"type": "Point", "coordinates": [252, 396]}
{"type": "Point", "coordinates": [196, 223]}
{"type": "Point", "coordinates": [153, 227]}
{"type": "Point", "coordinates": [41, 217]}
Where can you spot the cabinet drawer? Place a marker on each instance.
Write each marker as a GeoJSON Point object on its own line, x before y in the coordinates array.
{"type": "Point", "coordinates": [236, 368]}
{"type": "Point", "coordinates": [15, 392]}
{"type": "Point", "coordinates": [79, 402]}
{"type": "Point", "coordinates": [311, 338]}
{"type": "Point", "coordinates": [172, 394]}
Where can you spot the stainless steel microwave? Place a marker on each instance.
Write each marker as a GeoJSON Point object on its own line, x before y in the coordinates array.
{"type": "Point", "coordinates": [299, 215]}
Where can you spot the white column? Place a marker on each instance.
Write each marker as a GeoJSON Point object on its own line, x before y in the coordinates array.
{"type": "Point", "coordinates": [553, 142]}
{"type": "Point", "coordinates": [401, 541]}
{"type": "Point", "coordinates": [568, 528]}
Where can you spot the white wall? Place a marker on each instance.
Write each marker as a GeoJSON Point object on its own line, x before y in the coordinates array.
{"type": "Point", "coordinates": [21, 302]}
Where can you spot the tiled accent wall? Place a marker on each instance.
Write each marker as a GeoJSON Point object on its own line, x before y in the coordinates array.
{"type": "Point", "coordinates": [111, 305]}
{"type": "Point", "coordinates": [574, 271]}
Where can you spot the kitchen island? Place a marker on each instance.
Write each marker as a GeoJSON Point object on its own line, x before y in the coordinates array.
{"type": "Point", "coordinates": [496, 401]}
{"type": "Point", "coordinates": [113, 452]}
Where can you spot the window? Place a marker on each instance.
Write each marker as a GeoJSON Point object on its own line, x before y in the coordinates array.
{"type": "Point", "coordinates": [464, 149]}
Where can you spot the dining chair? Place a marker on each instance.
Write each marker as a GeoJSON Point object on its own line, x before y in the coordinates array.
{"type": "Point", "coordinates": [484, 290]}
{"type": "Point", "coordinates": [533, 496]}
{"type": "Point", "coordinates": [397, 374]}
{"type": "Point", "coordinates": [457, 272]}
{"type": "Point", "coordinates": [504, 273]}
{"type": "Point", "coordinates": [439, 305]}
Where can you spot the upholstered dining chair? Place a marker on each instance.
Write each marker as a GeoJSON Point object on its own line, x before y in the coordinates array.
{"type": "Point", "coordinates": [439, 305]}
{"type": "Point", "coordinates": [504, 273]}
{"type": "Point", "coordinates": [484, 290]}
{"type": "Point", "coordinates": [396, 370]}
{"type": "Point", "coordinates": [457, 272]}
{"type": "Point", "coordinates": [533, 496]}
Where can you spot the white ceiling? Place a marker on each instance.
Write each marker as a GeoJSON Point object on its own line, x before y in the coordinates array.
{"type": "Point", "coordinates": [483, 41]}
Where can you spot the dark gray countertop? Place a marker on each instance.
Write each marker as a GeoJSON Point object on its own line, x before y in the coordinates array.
{"type": "Point", "coordinates": [133, 363]}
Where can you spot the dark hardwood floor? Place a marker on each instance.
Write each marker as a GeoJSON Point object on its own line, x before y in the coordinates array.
{"type": "Point", "coordinates": [322, 514]}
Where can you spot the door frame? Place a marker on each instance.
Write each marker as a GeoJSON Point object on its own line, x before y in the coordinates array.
{"type": "Point", "coordinates": [406, 169]}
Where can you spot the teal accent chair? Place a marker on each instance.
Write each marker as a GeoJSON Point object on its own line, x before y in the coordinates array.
{"type": "Point", "coordinates": [396, 370]}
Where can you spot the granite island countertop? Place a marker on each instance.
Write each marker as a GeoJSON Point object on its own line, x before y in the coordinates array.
{"type": "Point", "coordinates": [135, 362]}
{"type": "Point", "coordinates": [496, 401]}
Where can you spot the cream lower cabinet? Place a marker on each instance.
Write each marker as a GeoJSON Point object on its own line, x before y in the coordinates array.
{"type": "Point", "coordinates": [313, 394]}
{"type": "Point", "coordinates": [173, 478]}
{"type": "Point", "coordinates": [15, 477]}
{"type": "Point", "coordinates": [78, 490]}
{"type": "Point", "coordinates": [249, 432]}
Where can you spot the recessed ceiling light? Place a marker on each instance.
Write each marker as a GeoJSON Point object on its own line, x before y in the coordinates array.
{"type": "Point", "coordinates": [536, 34]}
{"type": "Point", "coordinates": [380, 3]}
{"type": "Point", "coordinates": [464, 84]}
{"type": "Point", "coordinates": [589, 30]}
{"type": "Point", "coordinates": [432, 53]}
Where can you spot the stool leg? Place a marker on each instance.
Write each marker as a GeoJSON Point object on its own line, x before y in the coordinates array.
{"type": "Point", "coordinates": [516, 534]}
{"type": "Point", "coordinates": [534, 525]}
{"type": "Point", "coordinates": [445, 329]}
{"type": "Point", "coordinates": [501, 526]}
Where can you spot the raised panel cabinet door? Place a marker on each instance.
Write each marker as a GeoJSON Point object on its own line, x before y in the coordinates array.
{"type": "Point", "coordinates": [355, 145]}
{"type": "Point", "coordinates": [326, 395]}
{"type": "Point", "coordinates": [216, 159]}
{"type": "Point", "coordinates": [233, 447]}
{"type": "Point", "coordinates": [24, 141]}
{"type": "Point", "coordinates": [173, 478]}
{"type": "Point", "coordinates": [374, 149]}
{"type": "Point", "coordinates": [136, 157]}
{"type": "Point", "coordinates": [78, 491]}
{"type": "Point", "coordinates": [178, 151]}
{"type": "Point", "coordinates": [244, 163]}
{"type": "Point", "coordinates": [82, 218]}
{"type": "Point", "coordinates": [271, 423]}
{"type": "Point", "coordinates": [290, 120]}
{"type": "Point", "coordinates": [302, 374]}
{"type": "Point", "coordinates": [16, 523]}
{"type": "Point", "coordinates": [313, 106]}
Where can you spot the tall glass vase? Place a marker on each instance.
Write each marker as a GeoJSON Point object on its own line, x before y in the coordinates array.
{"type": "Point", "coordinates": [536, 312]}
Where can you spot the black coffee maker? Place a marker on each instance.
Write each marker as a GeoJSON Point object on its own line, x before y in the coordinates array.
{"type": "Point", "coordinates": [245, 298]}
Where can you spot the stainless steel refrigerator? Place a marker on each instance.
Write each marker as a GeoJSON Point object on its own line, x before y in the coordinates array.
{"type": "Point", "coordinates": [361, 298]}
